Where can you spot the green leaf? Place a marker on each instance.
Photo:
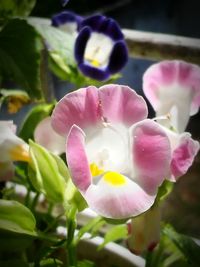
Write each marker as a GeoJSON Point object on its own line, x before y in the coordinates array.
{"type": "Point", "coordinates": [60, 47]}
{"type": "Point", "coordinates": [18, 8]}
{"type": "Point", "coordinates": [20, 47]}
{"type": "Point", "coordinates": [51, 263]}
{"type": "Point", "coordinates": [45, 174]}
{"type": "Point", "coordinates": [35, 115]}
{"type": "Point", "coordinates": [74, 197]}
{"type": "Point", "coordinates": [88, 228]}
{"type": "Point", "coordinates": [185, 245]}
{"type": "Point", "coordinates": [16, 263]}
{"type": "Point", "coordinates": [16, 217]}
{"type": "Point", "coordinates": [12, 241]}
{"type": "Point", "coordinates": [164, 190]}
{"type": "Point", "coordinates": [86, 263]}
{"type": "Point", "coordinates": [114, 234]}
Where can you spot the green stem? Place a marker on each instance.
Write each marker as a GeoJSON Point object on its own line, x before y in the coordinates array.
{"type": "Point", "coordinates": [71, 227]}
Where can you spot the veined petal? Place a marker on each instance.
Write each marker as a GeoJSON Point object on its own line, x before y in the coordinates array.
{"type": "Point", "coordinates": [117, 200]}
{"type": "Point", "coordinates": [121, 104]}
{"type": "Point", "coordinates": [77, 159]}
{"type": "Point", "coordinates": [80, 107]}
{"type": "Point", "coordinates": [45, 135]}
{"type": "Point", "coordinates": [170, 84]}
{"type": "Point", "coordinates": [151, 154]}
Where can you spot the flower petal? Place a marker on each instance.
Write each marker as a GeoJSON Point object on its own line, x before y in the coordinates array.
{"type": "Point", "coordinates": [118, 57]}
{"type": "Point", "coordinates": [118, 201]}
{"type": "Point", "coordinates": [9, 141]}
{"type": "Point", "coordinates": [151, 154]}
{"type": "Point", "coordinates": [45, 135]}
{"type": "Point", "coordinates": [184, 150]}
{"type": "Point", "coordinates": [80, 107]}
{"type": "Point", "coordinates": [121, 104]}
{"type": "Point", "coordinates": [80, 44]}
{"type": "Point", "coordinates": [171, 84]}
{"type": "Point", "coordinates": [93, 72]}
{"type": "Point", "coordinates": [77, 159]}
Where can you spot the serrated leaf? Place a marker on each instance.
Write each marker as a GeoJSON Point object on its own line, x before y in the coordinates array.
{"type": "Point", "coordinates": [16, 217]}
{"type": "Point", "coordinates": [20, 47]}
{"type": "Point", "coordinates": [114, 234]}
{"type": "Point", "coordinates": [35, 115]}
{"type": "Point", "coordinates": [45, 174]}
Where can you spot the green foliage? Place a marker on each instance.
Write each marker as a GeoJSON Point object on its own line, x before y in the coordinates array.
{"type": "Point", "coordinates": [20, 47]}
{"type": "Point", "coordinates": [16, 263]}
{"type": "Point", "coordinates": [60, 48]}
{"type": "Point", "coordinates": [116, 233]}
{"type": "Point", "coordinates": [12, 241]}
{"type": "Point", "coordinates": [45, 174]}
{"type": "Point", "coordinates": [164, 190]}
{"type": "Point", "coordinates": [86, 263]}
{"type": "Point", "coordinates": [16, 8]}
{"type": "Point", "coordinates": [16, 217]}
{"type": "Point", "coordinates": [35, 115]}
{"type": "Point", "coordinates": [185, 244]}
{"type": "Point", "coordinates": [50, 263]}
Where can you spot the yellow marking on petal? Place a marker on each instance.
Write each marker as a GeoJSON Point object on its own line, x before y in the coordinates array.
{"type": "Point", "coordinates": [20, 153]}
{"type": "Point", "coordinates": [95, 63]}
{"type": "Point", "coordinates": [95, 171]}
{"type": "Point", "coordinates": [114, 178]}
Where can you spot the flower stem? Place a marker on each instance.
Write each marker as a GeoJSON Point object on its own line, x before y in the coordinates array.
{"type": "Point", "coordinates": [71, 227]}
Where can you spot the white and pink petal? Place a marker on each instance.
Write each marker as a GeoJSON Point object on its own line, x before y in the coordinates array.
{"type": "Point", "coordinates": [151, 154]}
{"type": "Point", "coordinates": [121, 104]}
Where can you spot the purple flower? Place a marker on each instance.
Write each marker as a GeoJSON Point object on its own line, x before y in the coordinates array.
{"type": "Point", "coordinates": [67, 21]}
{"type": "Point", "coordinates": [100, 49]}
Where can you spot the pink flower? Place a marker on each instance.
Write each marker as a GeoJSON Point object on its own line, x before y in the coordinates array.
{"type": "Point", "coordinates": [173, 87]}
{"type": "Point", "coordinates": [12, 148]}
{"type": "Point", "coordinates": [117, 158]}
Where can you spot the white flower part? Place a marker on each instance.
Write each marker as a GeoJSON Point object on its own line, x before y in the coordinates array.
{"type": "Point", "coordinates": [108, 148]}
{"type": "Point", "coordinates": [175, 101]}
{"type": "Point", "coordinates": [69, 27]}
{"type": "Point", "coordinates": [9, 142]}
{"type": "Point", "coordinates": [45, 136]}
{"type": "Point", "coordinates": [98, 50]}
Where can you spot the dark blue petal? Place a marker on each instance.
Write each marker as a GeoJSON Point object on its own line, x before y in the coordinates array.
{"type": "Point", "coordinates": [94, 22]}
{"type": "Point", "coordinates": [118, 57]}
{"type": "Point", "coordinates": [111, 28]}
{"type": "Point", "coordinates": [64, 2]}
{"type": "Point", "coordinates": [64, 17]}
{"type": "Point", "coordinates": [80, 43]}
{"type": "Point", "coordinates": [94, 73]}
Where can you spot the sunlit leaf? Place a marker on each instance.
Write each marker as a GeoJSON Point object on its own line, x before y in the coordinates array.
{"type": "Point", "coordinates": [16, 217]}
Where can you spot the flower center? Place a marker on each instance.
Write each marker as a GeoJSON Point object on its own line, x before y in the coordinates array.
{"type": "Point", "coordinates": [114, 178]}
{"type": "Point", "coordinates": [98, 50]}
